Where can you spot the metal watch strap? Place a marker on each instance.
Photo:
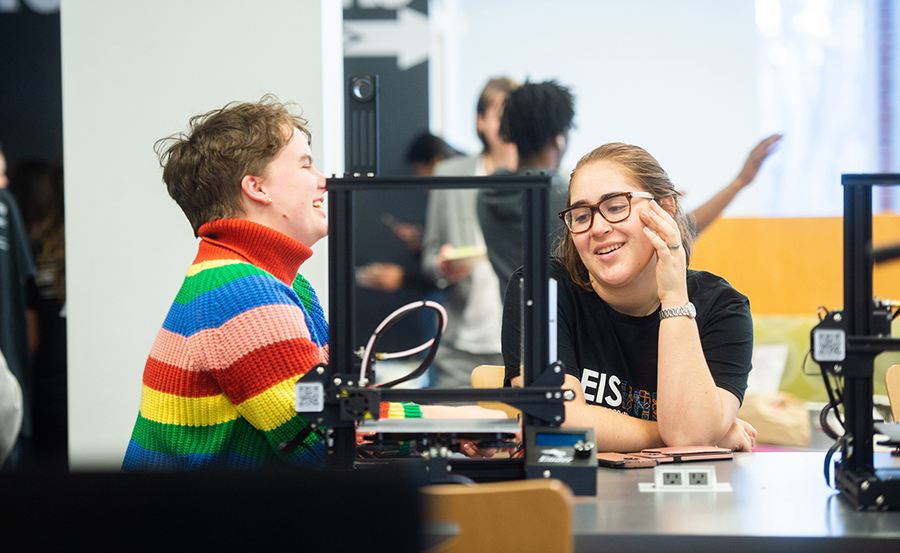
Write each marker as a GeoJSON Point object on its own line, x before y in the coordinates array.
{"type": "Point", "coordinates": [686, 310]}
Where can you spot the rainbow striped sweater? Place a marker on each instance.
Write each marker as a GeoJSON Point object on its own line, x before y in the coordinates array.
{"type": "Point", "coordinates": [218, 387]}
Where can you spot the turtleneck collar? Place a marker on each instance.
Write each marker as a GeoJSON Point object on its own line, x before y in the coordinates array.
{"type": "Point", "coordinates": [260, 245]}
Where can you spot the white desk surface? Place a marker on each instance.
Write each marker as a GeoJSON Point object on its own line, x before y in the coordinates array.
{"type": "Point", "coordinates": [780, 502]}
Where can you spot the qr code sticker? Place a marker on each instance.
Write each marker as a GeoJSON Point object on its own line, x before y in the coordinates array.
{"type": "Point", "coordinates": [829, 345]}
{"type": "Point", "coordinates": [309, 397]}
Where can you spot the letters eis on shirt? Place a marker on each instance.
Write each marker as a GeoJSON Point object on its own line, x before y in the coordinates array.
{"type": "Point", "coordinates": [617, 394]}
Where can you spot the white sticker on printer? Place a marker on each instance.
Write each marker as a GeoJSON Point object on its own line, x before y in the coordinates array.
{"type": "Point", "coordinates": [309, 397]}
{"type": "Point", "coordinates": [829, 345]}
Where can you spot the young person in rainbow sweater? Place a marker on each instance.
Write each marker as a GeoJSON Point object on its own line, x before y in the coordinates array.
{"type": "Point", "coordinates": [218, 387]}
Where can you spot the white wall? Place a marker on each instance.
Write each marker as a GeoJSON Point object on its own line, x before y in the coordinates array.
{"type": "Point", "coordinates": [677, 78]}
{"type": "Point", "coordinates": [134, 72]}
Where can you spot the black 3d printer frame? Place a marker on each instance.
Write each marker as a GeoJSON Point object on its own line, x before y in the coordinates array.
{"type": "Point", "coordinates": [342, 297]}
{"type": "Point", "coordinates": [855, 474]}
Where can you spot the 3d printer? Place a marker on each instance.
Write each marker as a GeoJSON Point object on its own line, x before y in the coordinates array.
{"type": "Point", "coordinates": [341, 397]}
{"type": "Point", "coordinates": [845, 344]}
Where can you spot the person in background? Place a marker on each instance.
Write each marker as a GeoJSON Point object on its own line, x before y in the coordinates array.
{"type": "Point", "coordinates": [656, 354]}
{"type": "Point", "coordinates": [496, 153]}
{"type": "Point", "coordinates": [16, 268]}
{"type": "Point", "coordinates": [29, 183]}
{"type": "Point", "coordinates": [536, 118]}
{"type": "Point", "coordinates": [424, 153]}
{"type": "Point", "coordinates": [710, 211]}
{"type": "Point", "coordinates": [470, 285]}
{"type": "Point", "coordinates": [46, 299]}
{"type": "Point", "coordinates": [38, 188]}
{"type": "Point", "coordinates": [10, 410]}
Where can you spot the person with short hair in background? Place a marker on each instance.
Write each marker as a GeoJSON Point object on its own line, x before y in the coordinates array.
{"type": "Point", "coordinates": [453, 250]}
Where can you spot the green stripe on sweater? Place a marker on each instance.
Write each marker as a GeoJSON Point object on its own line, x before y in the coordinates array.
{"type": "Point", "coordinates": [303, 289]}
{"type": "Point", "coordinates": [237, 436]}
{"type": "Point", "coordinates": [214, 278]}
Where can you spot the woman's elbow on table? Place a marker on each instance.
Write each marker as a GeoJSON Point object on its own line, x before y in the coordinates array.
{"type": "Point", "coordinates": [680, 432]}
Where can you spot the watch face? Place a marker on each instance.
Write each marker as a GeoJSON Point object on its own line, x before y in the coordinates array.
{"type": "Point", "coordinates": [692, 310]}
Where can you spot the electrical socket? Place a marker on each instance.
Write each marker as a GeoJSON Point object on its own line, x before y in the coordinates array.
{"type": "Point", "coordinates": [698, 479]}
{"type": "Point", "coordinates": [672, 478]}
{"type": "Point", "coordinates": [681, 478]}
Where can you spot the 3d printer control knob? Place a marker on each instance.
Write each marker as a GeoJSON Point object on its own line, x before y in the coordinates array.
{"type": "Point", "coordinates": [583, 449]}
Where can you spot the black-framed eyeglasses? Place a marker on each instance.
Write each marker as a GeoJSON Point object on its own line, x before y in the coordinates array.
{"type": "Point", "coordinates": [615, 209]}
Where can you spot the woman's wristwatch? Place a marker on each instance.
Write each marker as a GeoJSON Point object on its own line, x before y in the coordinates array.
{"type": "Point", "coordinates": [683, 311]}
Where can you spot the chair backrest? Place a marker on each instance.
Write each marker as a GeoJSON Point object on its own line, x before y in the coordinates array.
{"type": "Point", "coordinates": [516, 516]}
{"type": "Point", "coordinates": [892, 383]}
{"type": "Point", "coordinates": [491, 376]}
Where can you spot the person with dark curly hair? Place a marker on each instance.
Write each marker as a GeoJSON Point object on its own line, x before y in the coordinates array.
{"type": "Point", "coordinates": [536, 118]}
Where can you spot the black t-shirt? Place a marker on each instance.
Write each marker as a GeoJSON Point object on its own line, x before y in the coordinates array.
{"type": "Point", "coordinates": [614, 355]}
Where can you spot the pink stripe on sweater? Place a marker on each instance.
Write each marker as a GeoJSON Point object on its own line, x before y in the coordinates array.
{"type": "Point", "coordinates": [219, 348]}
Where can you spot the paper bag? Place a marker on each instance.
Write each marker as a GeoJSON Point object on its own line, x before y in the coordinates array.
{"type": "Point", "coordinates": [780, 419]}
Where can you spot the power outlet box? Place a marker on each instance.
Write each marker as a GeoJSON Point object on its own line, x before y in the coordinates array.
{"type": "Point", "coordinates": [685, 478]}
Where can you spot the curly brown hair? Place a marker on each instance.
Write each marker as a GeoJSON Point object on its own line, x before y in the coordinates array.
{"type": "Point", "coordinates": [645, 172]}
{"type": "Point", "coordinates": [203, 167]}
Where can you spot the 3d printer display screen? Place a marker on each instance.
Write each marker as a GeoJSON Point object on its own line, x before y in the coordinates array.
{"type": "Point", "coordinates": [557, 440]}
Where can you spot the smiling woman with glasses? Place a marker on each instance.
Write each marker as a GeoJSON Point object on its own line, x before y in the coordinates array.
{"type": "Point", "coordinates": [664, 349]}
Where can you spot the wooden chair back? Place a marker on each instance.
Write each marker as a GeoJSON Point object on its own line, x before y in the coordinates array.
{"type": "Point", "coordinates": [517, 516]}
{"type": "Point", "coordinates": [491, 376]}
{"type": "Point", "coordinates": [892, 383]}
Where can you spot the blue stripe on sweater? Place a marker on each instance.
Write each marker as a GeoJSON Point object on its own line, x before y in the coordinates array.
{"type": "Point", "coordinates": [213, 308]}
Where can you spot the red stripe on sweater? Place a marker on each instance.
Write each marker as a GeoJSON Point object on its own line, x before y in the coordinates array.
{"type": "Point", "coordinates": [261, 369]}
{"type": "Point", "coordinates": [176, 381]}
{"type": "Point", "coordinates": [218, 348]}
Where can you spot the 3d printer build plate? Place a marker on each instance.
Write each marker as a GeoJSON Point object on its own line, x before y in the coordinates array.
{"type": "Point", "coordinates": [441, 426]}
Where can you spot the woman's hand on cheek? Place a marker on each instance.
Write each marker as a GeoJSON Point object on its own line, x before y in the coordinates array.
{"type": "Point", "coordinates": [662, 231]}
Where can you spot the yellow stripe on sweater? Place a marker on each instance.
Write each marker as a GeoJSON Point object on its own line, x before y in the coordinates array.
{"type": "Point", "coordinates": [203, 265]}
{"type": "Point", "coordinates": [186, 411]}
{"type": "Point", "coordinates": [270, 409]}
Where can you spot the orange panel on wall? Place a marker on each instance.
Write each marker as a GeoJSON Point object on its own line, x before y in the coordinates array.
{"type": "Point", "coordinates": [791, 266]}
